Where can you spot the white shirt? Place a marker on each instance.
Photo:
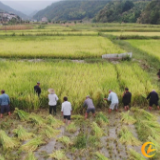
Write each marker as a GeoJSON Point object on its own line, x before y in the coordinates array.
{"type": "Point", "coordinates": [113, 98]}
{"type": "Point", "coordinates": [52, 99]}
{"type": "Point", "coordinates": [66, 108]}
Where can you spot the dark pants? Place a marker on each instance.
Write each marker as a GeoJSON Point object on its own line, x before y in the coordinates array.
{"type": "Point", "coordinates": [52, 108]}
{"type": "Point", "coordinates": [5, 108]}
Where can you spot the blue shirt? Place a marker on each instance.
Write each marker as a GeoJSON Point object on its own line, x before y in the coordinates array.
{"type": "Point", "coordinates": [113, 98]}
{"type": "Point", "coordinates": [4, 99]}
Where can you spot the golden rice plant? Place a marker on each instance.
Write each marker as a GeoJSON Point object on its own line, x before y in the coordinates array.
{"type": "Point", "coordinates": [71, 128]}
{"type": "Point", "coordinates": [101, 119]}
{"type": "Point", "coordinates": [100, 156]}
{"type": "Point", "coordinates": [53, 122]}
{"type": "Point", "coordinates": [30, 156]}
{"type": "Point", "coordinates": [77, 116]}
{"type": "Point", "coordinates": [133, 155]}
{"type": "Point", "coordinates": [58, 155]}
{"type": "Point", "coordinates": [126, 118]}
{"type": "Point", "coordinates": [126, 137]}
{"type": "Point", "coordinates": [65, 140]}
{"type": "Point", "coordinates": [147, 128]}
{"type": "Point", "coordinates": [21, 133]}
{"type": "Point", "coordinates": [142, 114]}
{"type": "Point", "coordinates": [6, 141]}
{"type": "Point", "coordinates": [36, 119]}
{"type": "Point", "coordinates": [98, 132]}
{"type": "Point", "coordinates": [22, 115]}
{"type": "Point", "coordinates": [48, 131]}
{"type": "Point", "coordinates": [33, 144]}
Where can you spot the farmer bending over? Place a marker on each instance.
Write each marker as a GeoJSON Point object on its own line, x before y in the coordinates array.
{"type": "Point", "coordinates": [114, 101]}
{"type": "Point", "coordinates": [126, 99]}
{"type": "Point", "coordinates": [153, 99]}
{"type": "Point", "coordinates": [66, 110]}
{"type": "Point", "coordinates": [4, 103]}
{"type": "Point", "coordinates": [90, 106]}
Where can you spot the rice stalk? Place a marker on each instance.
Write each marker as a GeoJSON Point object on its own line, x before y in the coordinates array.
{"type": "Point", "coordinates": [144, 115]}
{"type": "Point", "coordinates": [77, 116]}
{"type": "Point", "coordinates": [98, 132]}
{"type": "Point", "coordinates": [65, 140]}
{"type": "Point", "coordinates": [30, 156]}
{"type": "Point", "coordinates": [33, 144]}
{"type": "Point", "coordinates": [21, 133]}
{"type": "Point", "coordinates": [6, 141]}
{"type": "Point", "coordinates": [36, 120]}
{"type": "Point", "coordinates": [133, 155]}
{"type": "Point", "coordinates": [126, 137]}
{"type": "Point", "coordinates": [100, 156]}
{"type": "Point", "coordinates": [53, 122]}
{"type": "Point", "coordinates": [22, 115]}
{"type": "Point", "coordinates": [127, 119]}
{"type": "Point", "coordinates": [148, 128]}
{"type": "Point", "coordinates": [48, 131]}
{"type": "Point", "coordinates": [71, 128]}
{"type": "Point", "coordinates": [58, 155]}
{"type": "Point", "coordinates": [101, 119]}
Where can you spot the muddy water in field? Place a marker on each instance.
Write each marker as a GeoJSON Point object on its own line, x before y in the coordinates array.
{"type": "Point", "coordinates": [109, 143]}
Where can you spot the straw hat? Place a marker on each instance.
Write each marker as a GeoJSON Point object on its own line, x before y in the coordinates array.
{"type": "Point", "coordinates": [50, 90]}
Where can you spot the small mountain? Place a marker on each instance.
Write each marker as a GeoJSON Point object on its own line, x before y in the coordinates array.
{"type": "Point", "coordinates": [71, 10]}
{"type": "Point", "coordinates": [122, 11]}
{"type": "Point", "coordinates": [151, 14]}
{"type": "Point", "coordinates": [5, 8]}
{"type": "Point", "coordinates": [33, 13]}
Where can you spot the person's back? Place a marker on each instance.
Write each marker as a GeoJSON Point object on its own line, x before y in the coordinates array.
{"type": "Point", "coordinates": [66, 108]}
{"type": "Point", "coordinates": [89, 103]}
{"type": "Point", "coordinates": [113, 98]}
{"type": "Point", "coordinates": [52, 99]}
{"type": "Point", "coordinates": [37, 89]}
{"type": "Point", "coordinates": [127, 97]}
{"type": "Point", "coordinates": [4, 99]}
{"type": "Point", "coordinates": [153, 96]}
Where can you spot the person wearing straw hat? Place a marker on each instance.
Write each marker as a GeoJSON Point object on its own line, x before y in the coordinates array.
{"type": "Point", "coordinates": [52, 101]}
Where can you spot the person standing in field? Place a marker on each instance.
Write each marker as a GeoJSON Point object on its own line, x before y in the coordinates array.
{"type": "Point", "coordinates": [37, 89]}
{"type": "Point", "coordinates": [153, 99]}
{"type": "Point", "coordinates": [90, 106]}
{"type": "Point", "coordinates": [126, 99]}
{"type": "Point", "coordinates": [66, 110]}
{"type": "Point", "coordinates": [158, 74]}
{"type": "Point", "coordinates": [52, 101]}
{"type": "Point", "coordinates": [114, 101]}
{"type": "Point", "coordinates": [4, 103]}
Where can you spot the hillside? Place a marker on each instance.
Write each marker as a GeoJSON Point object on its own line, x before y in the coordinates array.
{"type": "Point", "coordinates": [121, 11]}
{"type": "Point", "coordinates": [71, 10]}
{"type": "Point", "coordinates": [6, 8]}
{"type": "Point", "coordinates": [151, 14]}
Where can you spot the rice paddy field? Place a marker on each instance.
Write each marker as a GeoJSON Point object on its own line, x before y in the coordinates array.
{"type": "Point", "coordinates": [67, 57]}
{"type": "Point", "coordinates": [56, 47]}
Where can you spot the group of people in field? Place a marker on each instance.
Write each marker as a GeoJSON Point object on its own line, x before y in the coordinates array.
{"type": "Point", "coordinates": [66, 108]}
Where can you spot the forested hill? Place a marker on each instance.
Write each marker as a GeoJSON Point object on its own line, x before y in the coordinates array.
{"type": "Point", "coordinates": [5, 8]}
{"type": "Point", "coordinates": [72, 10]}
{"type": "Point", "coordinates": [151, 14]}
{"type": "Point", "coordinates": [122, 11]}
